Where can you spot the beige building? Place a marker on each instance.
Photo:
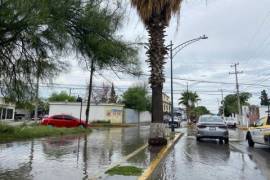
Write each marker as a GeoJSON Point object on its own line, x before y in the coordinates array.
{"type": "Point", "coordinates": [166, 103]}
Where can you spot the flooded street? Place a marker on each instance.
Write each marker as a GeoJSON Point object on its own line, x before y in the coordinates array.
{"type": "Point", "coordinates": [70, 157]}
{"type": "Point", "coordinates": [209, 160]}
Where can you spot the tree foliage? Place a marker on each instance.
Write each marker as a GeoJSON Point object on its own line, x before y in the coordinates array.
{"type": "Point", "coordinates": [264, 98]}
{"type": "Point", "coordinates": [230, 102]}
{"type": "Point", "coordinates": [33, 32]}
{"type": "Point", "coordinates": [113, 97]}
{"type": "Point", "coordinates": [198, 111]}
{"type": "Point", "coordinates": [61, 97]}
{"type": "Point", "coordinates": [189, 99]}
{"type": "Point", "coordinates": [137, 98]}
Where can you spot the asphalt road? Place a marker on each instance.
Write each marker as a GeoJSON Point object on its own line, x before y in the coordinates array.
{"type": "Point", "coordinates": [210, 160]}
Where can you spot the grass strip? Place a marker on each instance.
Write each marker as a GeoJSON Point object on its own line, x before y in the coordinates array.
{"type": "Point", "coordinates": [11, 133]}
{"type": "Point", "coordinates": [125, 171]}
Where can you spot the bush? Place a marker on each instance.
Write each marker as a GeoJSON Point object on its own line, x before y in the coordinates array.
{"type": "Point", "coordinates": [9, 133]}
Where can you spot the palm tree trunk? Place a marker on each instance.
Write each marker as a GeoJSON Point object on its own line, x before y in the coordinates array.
{"type": "Point", "coordinates": [89, 92]}
{"type": "Point", "coordinates": [156, 53]}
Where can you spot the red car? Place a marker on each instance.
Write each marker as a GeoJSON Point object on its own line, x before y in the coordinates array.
{"type": "Point", "coordinates": [62, 121]}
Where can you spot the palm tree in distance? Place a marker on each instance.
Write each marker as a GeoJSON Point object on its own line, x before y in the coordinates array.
{"type": "Point", "coordinates": [189, 99]}
{"type": "Point", "coordinates": [156, 15]}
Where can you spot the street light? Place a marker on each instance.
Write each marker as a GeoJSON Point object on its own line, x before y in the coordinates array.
{"type": "Point", "coordinates": [179, 48]}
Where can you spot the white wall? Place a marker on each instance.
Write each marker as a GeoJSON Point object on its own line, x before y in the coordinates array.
{"type": "Point", "coordinates": [131, 116]}
{"type": "Point", "coordinates": [145, 117]}
{"type": "Point", "coordinates": [112, 112]}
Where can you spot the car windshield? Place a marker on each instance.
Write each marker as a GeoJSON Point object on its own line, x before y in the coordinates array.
{"type": "Point", "coordinates": [210, 119]}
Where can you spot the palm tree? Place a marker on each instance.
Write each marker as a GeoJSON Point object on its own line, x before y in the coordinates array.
{"type": "Point", "coordinates": [156, 15]}
{"type": "Point", "coordinates": [189, 99]}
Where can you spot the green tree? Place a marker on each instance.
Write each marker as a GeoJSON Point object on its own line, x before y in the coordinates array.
{"type": "Point", "coordinates": [156, 17]}
{"type": "Point", "coordinates": [137, 98]}
{"type": "Point", "coordinates": [264, 98]}
{"type": "Point", "coordinates": [61, 97]}
{"type": "Point", "coordinates": [113, 96]}
{"type": "Point", "coordinates": [101, 48]}
{"type": "Point", "coordinates": [198, 111]}
{"type": "Point", "coordinates": [30, 31]}
{"type": "Point", "coordinates": [189, 99]}
{"type": "Point", "coordinates": [230, 102]}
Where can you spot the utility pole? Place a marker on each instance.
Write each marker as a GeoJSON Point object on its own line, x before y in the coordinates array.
{"type": "Point", "coordinates": [222, 103]}
{"type": "Point", "coordinates": [236, 72]}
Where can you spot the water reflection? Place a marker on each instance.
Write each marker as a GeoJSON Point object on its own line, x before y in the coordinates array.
{"type": "Point", "coordinates": [23, 169]}
{"type": "Point", "coordinates": [70, 157]}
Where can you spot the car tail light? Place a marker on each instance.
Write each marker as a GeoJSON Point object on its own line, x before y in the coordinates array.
{"type": "Point", "coordinates": [201, 126]}
{"type": "Point", "coordinates": [223, 127]}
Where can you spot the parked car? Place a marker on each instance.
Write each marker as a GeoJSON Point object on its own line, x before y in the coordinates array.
{"type": "Point", "coordinates": [231, 122]}
{"type": "Point", "coordinates": [260, 133]}
{"type": "Point", "coordinates": [210, 126]}
{"type": "Point", "coordinates": [62, 121]}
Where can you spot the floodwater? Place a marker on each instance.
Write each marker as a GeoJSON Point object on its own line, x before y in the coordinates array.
{"type": "Point", "coordinates": [210, 160]}
{"type": "Point", "coordinates": [70, 157]}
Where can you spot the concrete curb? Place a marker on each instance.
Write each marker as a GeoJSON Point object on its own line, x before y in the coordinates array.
{"type": "Point", "coordinates": [163, 152]}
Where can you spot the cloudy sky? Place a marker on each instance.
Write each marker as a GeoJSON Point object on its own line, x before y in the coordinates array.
{"type": "Point", "coordinates": [238, 31]}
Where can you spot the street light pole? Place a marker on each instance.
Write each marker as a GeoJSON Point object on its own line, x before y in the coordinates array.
{"type": "Point", "coordinates": [179, 48]}
{"type": "Point", "coordinates": [172, 115]}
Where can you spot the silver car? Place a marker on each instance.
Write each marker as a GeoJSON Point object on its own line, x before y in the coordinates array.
{"type": "Point", "coordinates": [213, 127]}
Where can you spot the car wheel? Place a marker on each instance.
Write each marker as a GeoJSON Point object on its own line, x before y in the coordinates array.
{"type": "Point", "coordinates": [198, 139]}
{"type": "Point", "coordinates": [226, 140]}
{"type": "Point", "coordinates": [249, 139]}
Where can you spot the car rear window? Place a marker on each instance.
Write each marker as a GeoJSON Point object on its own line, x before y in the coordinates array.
{"type": "Point", "coordinates": [211, 119]}
{"type": "Point", "coordinates": [68, 117]}
{"type": "Point", "coordinates": [57, 117]}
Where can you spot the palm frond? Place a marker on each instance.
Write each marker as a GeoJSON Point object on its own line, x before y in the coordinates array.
{"type": "Point", "coordinates": [148, 8]}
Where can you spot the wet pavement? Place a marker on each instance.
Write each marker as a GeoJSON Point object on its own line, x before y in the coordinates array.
{"type": "Point", "coordinates": [88, 156]}
{"type": "Point", "coordinates": [210, 160]}
{"type": "Point", "coordinates": [72, 157]}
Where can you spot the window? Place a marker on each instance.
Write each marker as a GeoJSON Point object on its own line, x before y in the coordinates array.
{"type": "Point", "coordinates": [68, 117]}
{"type": "Point", "coordinates": [57, 117]}
{"type": "Point", "coordinates": [9, 114]}
{"type": "Point", "coordinates": [4, 113]}
{"type": "Point", "coordinates": [206, 119]}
